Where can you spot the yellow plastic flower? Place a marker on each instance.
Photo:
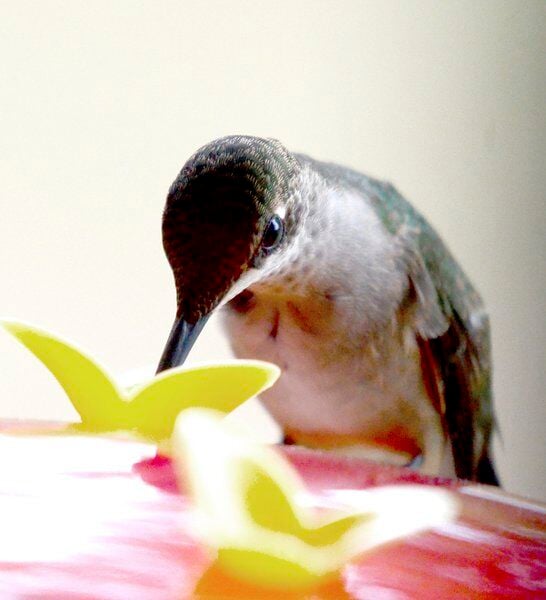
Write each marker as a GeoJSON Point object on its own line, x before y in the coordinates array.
{"type": "Point", "coordinates": [149, 410]}
{"type": "Point", "coordinates": [255, 511]}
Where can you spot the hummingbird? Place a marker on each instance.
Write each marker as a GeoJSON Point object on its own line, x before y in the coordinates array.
{"type": "Point", "coordinates": [383, 342]}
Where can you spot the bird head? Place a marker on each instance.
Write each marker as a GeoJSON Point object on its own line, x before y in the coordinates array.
{"type": "Point", "coordinates": [229, 212]}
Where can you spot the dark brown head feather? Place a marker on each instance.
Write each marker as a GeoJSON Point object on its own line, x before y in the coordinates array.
{"type": "Point", "coordinates": [216, 212]}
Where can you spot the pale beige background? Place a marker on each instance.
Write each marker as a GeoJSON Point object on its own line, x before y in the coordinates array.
{"type": "Point", "coordinates": [102, 102]}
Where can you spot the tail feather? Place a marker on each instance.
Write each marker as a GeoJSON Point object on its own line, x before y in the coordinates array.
{"type": "Point", "coordinates": [485, 472]}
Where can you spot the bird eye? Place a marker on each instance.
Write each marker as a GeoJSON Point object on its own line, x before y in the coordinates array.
{"type": "Point", "coordinates": [273, 233]}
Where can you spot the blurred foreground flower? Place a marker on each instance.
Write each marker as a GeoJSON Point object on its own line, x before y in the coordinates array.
{"type": "Point", "coordinates": [148, 410]}
{"type": "Point", "coordinates": [252, 508]}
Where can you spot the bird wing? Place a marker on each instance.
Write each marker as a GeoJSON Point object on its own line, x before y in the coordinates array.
{"type": "Point", "coordinates": [456, 369]}
{"type": "Point", "coordinates": [453, 335]}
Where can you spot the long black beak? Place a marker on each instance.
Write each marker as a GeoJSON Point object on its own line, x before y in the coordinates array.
{"type": "Point", "coordinates": [180, 342]}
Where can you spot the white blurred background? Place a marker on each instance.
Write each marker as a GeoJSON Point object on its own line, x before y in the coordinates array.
{"type": "Point", "coordinates": [102, 102]}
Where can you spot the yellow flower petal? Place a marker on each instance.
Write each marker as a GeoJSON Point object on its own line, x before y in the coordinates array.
{"type": "Point", "coordinates": [91, 390]}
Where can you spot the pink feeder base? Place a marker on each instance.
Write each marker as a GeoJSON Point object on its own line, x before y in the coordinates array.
{"type": "Point", "coordinates": [98, 518]}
